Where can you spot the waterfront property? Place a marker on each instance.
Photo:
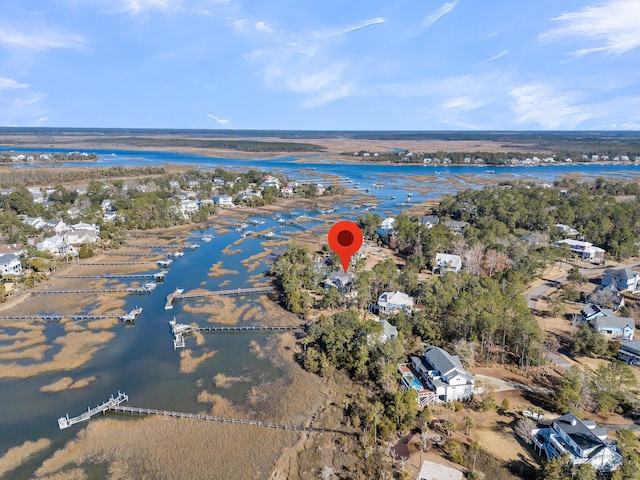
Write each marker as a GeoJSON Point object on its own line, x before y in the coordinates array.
{"type": "Point", "coordinates": [581, 440]}
{"type": "Point", "coordinates": [622, 278]}
{"type": "Point", "coordinates": [388, 331]}
{"type": "Point", "coordinates": [10, 264]}
{"type": "Point", "coordinates": [585, 250]}
{"type": "Point", "coordinates": [437, 377]}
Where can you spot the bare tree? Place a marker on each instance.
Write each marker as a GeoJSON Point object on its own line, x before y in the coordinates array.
{"type": "Point", "coordinates": [495, 261]}
{"type": "Point", "coordinates": [327, 473]}
{"type": "Point", "coordinates": [473, 258]}
{"type": "Point", "coordinates": [523, 429]}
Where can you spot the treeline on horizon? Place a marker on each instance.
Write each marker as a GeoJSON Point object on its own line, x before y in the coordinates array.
{"type": "Point", "coordinates": [491, 158]}
{"type": "Point", "coordinates": [227, 144]}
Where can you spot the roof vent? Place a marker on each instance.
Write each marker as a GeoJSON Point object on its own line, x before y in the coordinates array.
{"type": "Point", "coordinates": [574, 420]}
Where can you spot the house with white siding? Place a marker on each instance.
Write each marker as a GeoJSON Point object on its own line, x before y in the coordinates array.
{"type": "Point", "coordinates": [10, 264]}
{"type": "Point", "coordinates": [622, 278]}
{"type": "Point", "coordinates": [581, 440]}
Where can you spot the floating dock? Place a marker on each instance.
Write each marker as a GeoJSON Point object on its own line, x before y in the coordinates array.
{"type": "Point", "coordinates": [66, 422]}
{"type": "Point", "coordinates": [236, 292]}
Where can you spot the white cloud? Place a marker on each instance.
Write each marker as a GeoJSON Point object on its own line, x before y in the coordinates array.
{"type": "Point", "coordinates": [262, 26]}
{"type": "Point", "coordinates": [496, 57]}
{"type": "Point", "coordinates": [433, 17]}
{"type": "Point", "coordinates": [39, 38]}
{"type": "Point", "coordinates": [341, 31]}
{"type": "Point", "coordinates": [463, 103]}
{"type": "Point", "coordinates": [41, 121]}
{"type": "Point", "coordinates": [218, 119]}
{"type": "Point", "coordinates": [11, 84]}
{"type": "Point", "coordinates": [539, 104]}
{"type": "Point", "coordinates": [612, 27]}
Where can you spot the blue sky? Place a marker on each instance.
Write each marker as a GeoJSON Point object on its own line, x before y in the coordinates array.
{"type": "Point", "coordinates": [338, 65]}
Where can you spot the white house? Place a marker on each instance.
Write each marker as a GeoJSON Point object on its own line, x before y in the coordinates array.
{"type": "Point", "coordinates": [566, 230]}
{"type": "Point", "coordinates": [604, 320]}
{"type": "Point", "coordinates": [630, 352]}
{"type": "Point", "coordinates": [585, 250]}
{"type": "Point", "coordinates": [386, 227]}
{"type": "Point", "coordinates": [10, 264]}
{"type": "Point", "coordinates": [429, 221]}
{"type": "Point", "coordinates": [581, 440]}
{"type": "Point", "coordinates": [437, 377]}
{"type": "Point", "coordinates": [109, 216]}
{"type": "Point", "coordinates": [56, 245]}
{"type": "Point", "coordinates": [394, 302]}
{"type": "Point", "coordinates": [188, 207]}
{"type": "Point", "coordinates": [622, 278]}
{"type": "Point", "coordinates": [223, 200]}
{"type": "Point", "coordinates": [35, 222]}
{"type": "Point", "coordinates": [270, 181]}
{"type": "Point", "coordinates": [78, 236]}
{"type": "Point", "coordinates": [447, 263]}
{"type": "Point", "coordinates": [287, 192]}
{"type": "Point", "coordinates": [37, 195]}
{"type": "Point", "coordinates": [58, 226]}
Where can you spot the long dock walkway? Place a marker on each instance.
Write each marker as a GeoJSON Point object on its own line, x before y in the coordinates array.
{"type": "Point", "coordinates": [86, 264]}
{"type": "Point", "coordinates": [172, 297]}
{"type": "Point", "coordinates": [160, 274]}
{"type": "Point", "coordinates": [66, 422]}
{"type": "Point", "coordinates": [136, 291]}
{"type": "Point", "coordinates": [114, 405]}
{"type": "Point", "coordinates": [54, 318]}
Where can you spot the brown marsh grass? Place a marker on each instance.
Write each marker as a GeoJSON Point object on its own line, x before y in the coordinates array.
{"type": "Point", "coordinates": [256, 349]}
{"type": "Point", "coordinates": [225, 283]}
{"type": "Point", "coordinates": [223, 381]}
{"type": "Point", "coordinates": [218, 271]}
{"type": "Point", "coordinates": [189, 363]}
{"type": "Point", "coordinates": [230, 251]}
{"type": "Point", "coordinates": [16, 456]}
{"type": "Point", "coordinates": [77, 348]}
{"type": "Point", "coordinates": [199, 337]}
{"type": "Point", "coordinates": [102, 324]}
{"type": "Point", "coordinates": [66, 383]}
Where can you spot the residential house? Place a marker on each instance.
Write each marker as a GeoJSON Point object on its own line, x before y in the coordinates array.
{"type": "Point", "coordinates": [38, 196]}
{"type": "Point", "coordinates": [174, 184]}
{"type": "Point", "coordinates": [340, 280]}
{"type": "Point", "coordinates": [109, 216]}
{"type": "Point", "coordinates": [386, 227]}
{"type": "Point", "coordinates": [622, 278]}
{"type": "Point", "coordinates": [603, 320]}
{"type": "Point", "coordinates": [106, 205]}
{"type": "Point", "coordinates": [13, 248]}
{"type": "Point", "coordinates": [223, 200]}
{"type": "Point", "coordinates": [585, 250]}
{"type": "Point", "coordinates": [437, 376]}
{"type": "Point", "coordinates": [456, 226]}
{"type": "Point", "coordinates": [58, 226]}
{"type": "Point", "coordinates": [270, 181]}
{"type": "Point", "coordinates": [388, 331]}
{"type": "Point", "coordinates": [78, 236]}
{"type": "Point", "coordinates": [35, 222]}
{"type": "Point", "coordinates": [429, 222]}
{"type": "Point", "coordinates": [390, 303]}
{"type": "Point", "coordinates": [566, 230]}
{"type": "Point", "coordinates": [56, 245]}
{"type": "Point", "coordinates": [10, 264]}
{"type": "Point", "coordinates": [73, 212]}
{"type": "Point", "coordinates": [630, 352]}
{"type": "Point", "coordinates": [187, 207]}
{"type": "Point", "coordinates": [581, 440]}
{"type": "Point", "coordinates": [447, 263]}
{"type": "Point", "coordinates": [287, 192]}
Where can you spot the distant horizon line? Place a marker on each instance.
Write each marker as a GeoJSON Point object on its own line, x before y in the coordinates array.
{"type": "Point", "coordinates": [258, 130]}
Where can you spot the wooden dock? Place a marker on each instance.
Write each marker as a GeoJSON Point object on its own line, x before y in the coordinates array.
{"type": "Point", "coordinates": [134, 291]}
{"type": "Point", "coordinates": [114, 405]}
{"type": "Point", "coordinates": [85, 264]}
{"type": "Point", "coordinates": [161, 274]}
{"type": "Point", "coordinates": [236, 292]}
{"type": "Point", "coordinates": [66, 422]}
{"type": "Point", "coordinates": [56, 318]}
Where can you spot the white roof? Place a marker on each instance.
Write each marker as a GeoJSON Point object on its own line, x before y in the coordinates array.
{"type": "Point", "coordinates": [395, 298]}
{"type": "Point", "coordinates": [435, 471]}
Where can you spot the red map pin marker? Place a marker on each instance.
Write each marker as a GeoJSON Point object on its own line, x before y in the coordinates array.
{"type": "Point", "coordinates": [345, 238]}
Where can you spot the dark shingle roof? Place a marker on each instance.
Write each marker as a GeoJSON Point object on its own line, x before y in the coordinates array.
{"type": "Point", "coordinates": [579, 433]}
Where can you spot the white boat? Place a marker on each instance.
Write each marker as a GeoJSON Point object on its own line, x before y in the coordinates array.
{"type": "Point", "coordinates": [178, 254]}
{"type": "Point", "coordinates": [178, 291]}
{"type": "Point", "coordinates": [149, 285]}
{"type": "Point", "coordinates": [206, 238]}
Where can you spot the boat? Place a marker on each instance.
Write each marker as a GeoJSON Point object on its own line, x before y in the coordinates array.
{"type": "Point", "coordinates": [193, 246]}
{"type": "Point", "coordinates": [150, 285]}
{"type": "Point", "coordinates": [178, 291]}
{"type": "Point", "coordinates": [206, 238]}
{"type": "Point", "coordinates": [178, 254]}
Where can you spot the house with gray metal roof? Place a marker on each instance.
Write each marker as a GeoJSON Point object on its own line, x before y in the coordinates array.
{"type": "Point", "coordinates": [581, 440]}
{"type": "Point", "coordinates": [622, 278]}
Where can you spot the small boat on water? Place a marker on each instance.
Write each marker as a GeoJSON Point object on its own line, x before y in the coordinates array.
{"type": "Point", "coordinates": [178, 291]}
{"type": "Point", "coordinates": [193, 246]}
{"type": "Point", "coordinates": [206, 238]}
{"type": "Point", "coordinates": [149, 285]}
{"type": "Point", "coordinates": [178, 254]}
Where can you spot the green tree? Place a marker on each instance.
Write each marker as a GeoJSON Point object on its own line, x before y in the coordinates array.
{"type": "Point", "coordinates": [569, 395]}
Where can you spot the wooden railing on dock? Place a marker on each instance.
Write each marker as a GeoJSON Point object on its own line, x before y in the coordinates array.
{"type": "Point", "coordinates": [217, 293]}
{"type": "Point", "coordinates": [114, 405]}
{"type": "Point", "coordinates": [137, 291]}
